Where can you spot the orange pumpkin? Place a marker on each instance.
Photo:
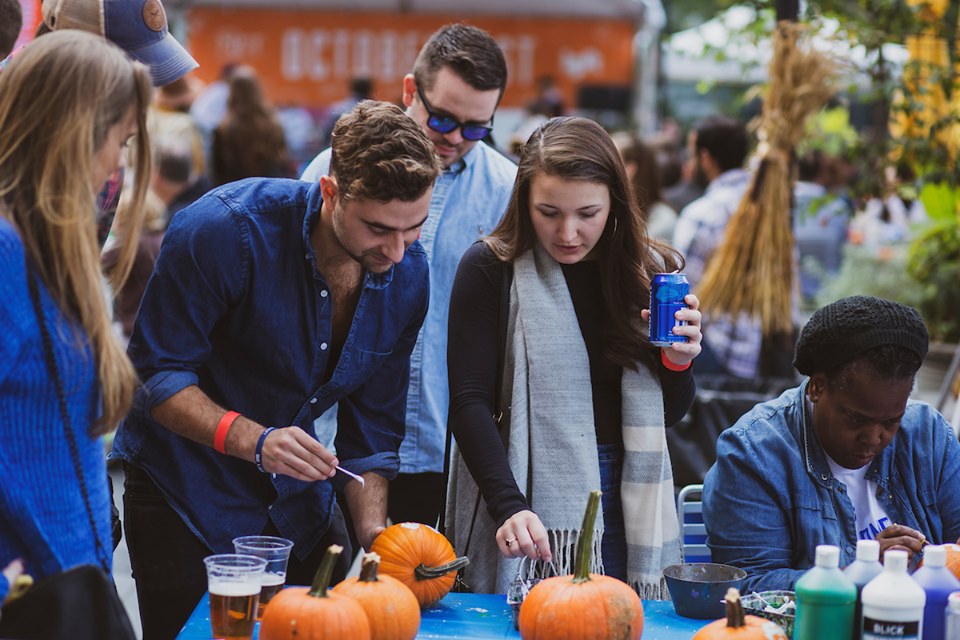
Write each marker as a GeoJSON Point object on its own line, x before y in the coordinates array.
{"type": "Point", "coordinates": [737, 626]}
{"type": "Point", "coordinates": [299, 613]}
{"type": "Point", "coordinates": [392, 609]}
{"type": "Point", "coordinates": [953, 559]}
{"type": "Point", "coordinates": [584, 606]}
{"type": "Point", "coordinates": [419, 557]}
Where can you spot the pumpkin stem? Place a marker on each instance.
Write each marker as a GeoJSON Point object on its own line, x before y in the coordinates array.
{"type": "Point", "coordinates": [368, 567]}
{"type": "Point", "coordinates": [423, 572]}
{"type": "Point", "coordinates": [735, 617]}
{"type": "Point", "coordinates": [322, 579]}
{"type": "Point", "coordinates": [581, 567]}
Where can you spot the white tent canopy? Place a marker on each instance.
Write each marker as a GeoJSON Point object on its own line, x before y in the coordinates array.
{"type": "Point", "coordinates": [746, 61]}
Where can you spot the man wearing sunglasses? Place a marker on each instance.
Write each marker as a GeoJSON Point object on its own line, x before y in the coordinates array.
{"type": "Point", "coordinates": [457, 82]}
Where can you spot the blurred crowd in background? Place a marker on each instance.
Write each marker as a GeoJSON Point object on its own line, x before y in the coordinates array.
{"type": "Point", "coordinates": [208, 135]}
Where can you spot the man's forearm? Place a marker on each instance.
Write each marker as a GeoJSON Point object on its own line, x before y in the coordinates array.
{"type": "Point", "coordinates": [368, 506]}
{"type": "Point", "coordinates": [192, 414]}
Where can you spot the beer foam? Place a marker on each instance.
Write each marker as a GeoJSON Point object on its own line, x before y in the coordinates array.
{"type": "Point", "coordinates": [272, 579]}
{"type": "Point", "coordinates": [233, 589]}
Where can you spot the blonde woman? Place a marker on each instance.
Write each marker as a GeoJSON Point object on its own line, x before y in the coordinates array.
{"type": "Point", "coordinates": [70, 103]}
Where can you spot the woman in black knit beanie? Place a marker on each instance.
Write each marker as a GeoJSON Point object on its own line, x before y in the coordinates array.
{"type": "Point", "coordinates": [889, 337]}
{"type": "Point", "coordinates": [843, 457]}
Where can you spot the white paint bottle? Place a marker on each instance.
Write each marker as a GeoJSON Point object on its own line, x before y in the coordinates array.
{"type": "Point", "coordinates": [893, 602]}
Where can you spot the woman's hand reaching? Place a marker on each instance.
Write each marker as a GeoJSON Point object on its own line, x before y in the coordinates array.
{"type": "Point", "coordinates": [524, 535]}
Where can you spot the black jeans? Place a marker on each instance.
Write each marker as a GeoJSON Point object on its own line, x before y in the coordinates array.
{"type": "Point", "coordinates": [167, 558]}
{"type": "Point", "coordinates": [416, 497]}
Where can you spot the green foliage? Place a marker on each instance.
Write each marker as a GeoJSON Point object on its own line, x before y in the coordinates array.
{"type": "Point", "coordinates": [704, 87]}
{"type": "Point", "coordinates": [831, 133]}
{"type": "Point", "coordinates": [940, 200]}
{"type": "Point", "coordinates": [934, 262]}
{"type": "Point", "coordinates": [868, 271]}
{"type": "Point", "coordinates": [925, 274]}
{"type": "Point", "coordinates": [869, 24]}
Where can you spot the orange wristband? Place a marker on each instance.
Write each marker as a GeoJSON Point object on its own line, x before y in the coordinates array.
{"type": "Point", "coordinates": [672, 366]}
{"type": "Point", "coordinates": [223, 427]}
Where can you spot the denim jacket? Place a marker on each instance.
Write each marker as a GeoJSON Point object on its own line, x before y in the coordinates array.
{"type": "Point", "coordinates": [770, 498]}
{"type": "Point", "coordinates": [237, 306]}
{"type": "Point", "coordinates": [467, 203]}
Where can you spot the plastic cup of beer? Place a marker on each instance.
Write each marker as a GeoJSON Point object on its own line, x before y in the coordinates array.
{"type": "Point", "coordinates": [276, 551]}
{"type": "Point", "coordinates": [233, 581]}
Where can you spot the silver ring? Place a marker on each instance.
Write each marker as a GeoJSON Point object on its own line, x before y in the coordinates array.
{"type": "Point", "coordinates": [510, 542]}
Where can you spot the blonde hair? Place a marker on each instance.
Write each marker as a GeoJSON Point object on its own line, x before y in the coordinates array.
{"type": "Point", "coordinates": [59, 99]}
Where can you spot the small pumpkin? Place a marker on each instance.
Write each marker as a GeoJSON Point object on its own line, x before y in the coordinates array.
{"type": "Point", "coordinates": [419, 557]}
{"type": "Point", "coordinates": [583, 606]}
{"type": "Point", "coordinates": [301, 613]}
{"type": "Point", "coordinates": [737, 626]}
{"type": "Point", "coordinates": [953, 559]}
{"type": "Point", "coordinates": [392, 609]}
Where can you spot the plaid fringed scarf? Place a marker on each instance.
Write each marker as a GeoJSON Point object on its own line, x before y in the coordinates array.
{"type": "Point", "coordinates": [552, 447]}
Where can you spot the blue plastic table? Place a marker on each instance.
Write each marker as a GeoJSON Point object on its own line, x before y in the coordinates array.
{"type": "Point", "coordinates": [482, 616]}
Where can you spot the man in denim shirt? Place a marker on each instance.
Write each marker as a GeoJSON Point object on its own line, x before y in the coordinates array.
{"type": "Point", "coordinates": [275, 299]}
{"type": "Point", "coordinates": [457, 82]}
{"type": "Point", "coordinates": [842, 457]}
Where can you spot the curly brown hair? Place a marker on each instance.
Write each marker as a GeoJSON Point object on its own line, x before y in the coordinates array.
{"type": "Point", "coordinates": [380, 153]}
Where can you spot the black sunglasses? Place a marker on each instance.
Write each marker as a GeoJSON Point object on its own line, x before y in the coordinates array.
{"type": "Point", "coordinates": [445, 124]}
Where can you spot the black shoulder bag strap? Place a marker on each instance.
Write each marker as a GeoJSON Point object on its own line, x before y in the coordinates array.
{"type": "Point", "coordinates": [499, 413]}
{"type": "Point", "coordinates": [54, 370]}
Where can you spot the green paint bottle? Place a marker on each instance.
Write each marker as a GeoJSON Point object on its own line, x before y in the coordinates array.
{"type": "Point", "coordinates": [826, 599]}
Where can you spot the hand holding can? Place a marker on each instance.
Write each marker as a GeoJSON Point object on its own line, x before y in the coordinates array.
{"type": "Point", "coordinates": [667, 293]}
{"type": "Point", "coordinates": [675, 320]}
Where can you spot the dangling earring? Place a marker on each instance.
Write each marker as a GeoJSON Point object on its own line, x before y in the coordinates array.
{"type": "Point", "coordinates": [614, 226]}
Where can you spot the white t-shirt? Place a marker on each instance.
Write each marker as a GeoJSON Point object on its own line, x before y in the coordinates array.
{"type": "Point", "coordinates": [870, 516]}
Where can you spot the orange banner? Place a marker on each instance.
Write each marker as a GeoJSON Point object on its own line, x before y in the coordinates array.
{"type": "Point", "coordinates": [308, 57]}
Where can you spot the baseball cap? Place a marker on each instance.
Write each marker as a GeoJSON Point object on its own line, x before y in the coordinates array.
{"type": "Point", "coordinates": [137, 26]}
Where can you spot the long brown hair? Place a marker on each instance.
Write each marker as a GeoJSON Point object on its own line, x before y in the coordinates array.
{"type": "Point", "coordinates": [580, 149]}
{"type": "Point", "coordinates": [646, 177]}
{"type": "Point", "coordinates": [59, 99]}
{"type": "Point", "coordinates": [250, 141]}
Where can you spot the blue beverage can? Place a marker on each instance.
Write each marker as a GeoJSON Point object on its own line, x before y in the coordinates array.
{"type": "Point", "coordinates": [667, 291]}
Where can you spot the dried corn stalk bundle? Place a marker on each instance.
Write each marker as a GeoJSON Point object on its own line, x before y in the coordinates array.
{"type": "Point", "coordinates": [753, 269]}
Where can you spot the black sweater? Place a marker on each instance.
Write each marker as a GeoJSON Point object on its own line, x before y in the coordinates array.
{"type": "Point", "coordinates": [472, 364]}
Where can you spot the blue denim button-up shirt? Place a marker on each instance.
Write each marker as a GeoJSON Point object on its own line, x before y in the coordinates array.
{"type": "Point", "coordinates": [467, 203]}
{"type": "Point", "coordinates": [237, 306]}
{"type": "Point", "coordinates": [770, 498]}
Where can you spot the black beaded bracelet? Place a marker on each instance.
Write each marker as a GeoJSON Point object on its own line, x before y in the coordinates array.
{"type": "Point", "coordinates": [258, 456]}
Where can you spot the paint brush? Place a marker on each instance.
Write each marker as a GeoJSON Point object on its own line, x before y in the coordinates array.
{"type": "Point", "coordinates": [353, 475]}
